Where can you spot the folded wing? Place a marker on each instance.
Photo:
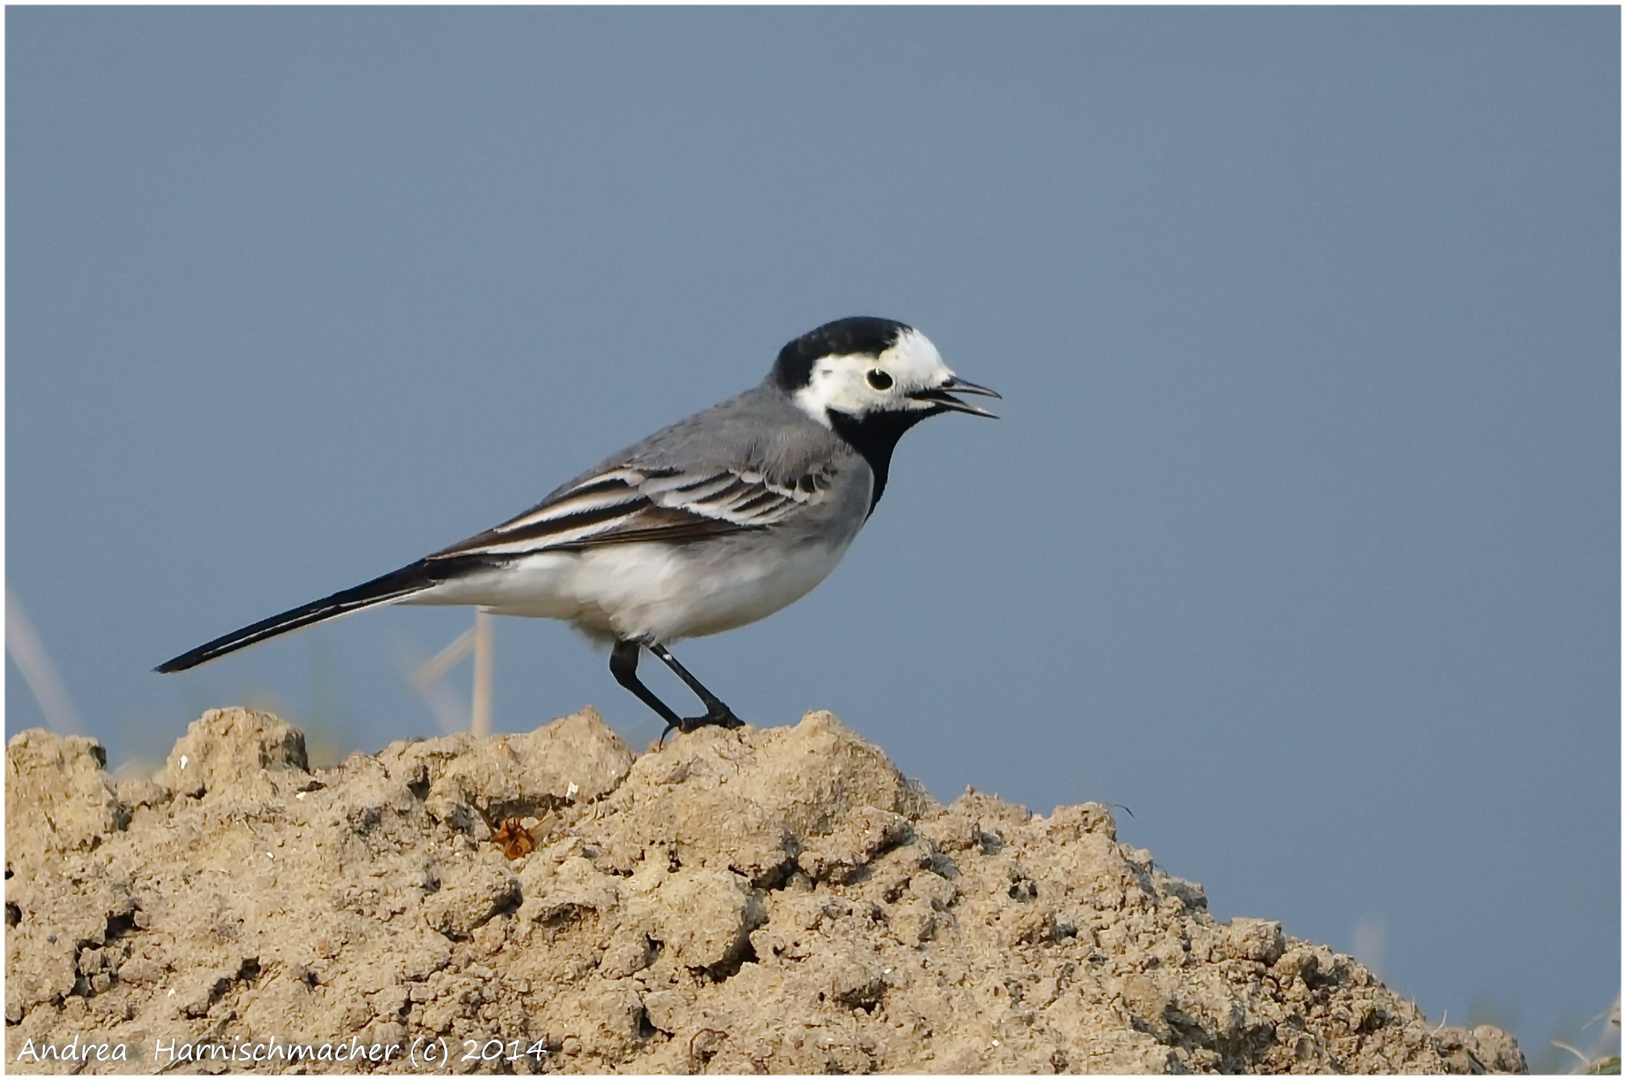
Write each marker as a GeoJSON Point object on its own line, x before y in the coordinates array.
{"type": "Point", "coordinates": [634, 503]}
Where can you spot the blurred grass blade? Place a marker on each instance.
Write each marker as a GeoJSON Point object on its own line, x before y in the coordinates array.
{"type": "Point", "coordinates": [25, 650]}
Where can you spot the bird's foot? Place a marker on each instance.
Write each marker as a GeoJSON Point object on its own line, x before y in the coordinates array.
{"type": "Point", "coordinates": [719, 715]}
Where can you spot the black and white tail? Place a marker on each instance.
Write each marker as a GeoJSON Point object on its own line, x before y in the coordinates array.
{"type": "Point", "coordinates": [396, 585]}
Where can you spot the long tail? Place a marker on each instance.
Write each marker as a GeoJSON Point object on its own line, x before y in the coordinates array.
{"type": "Point", "coordinates": [395, 585]}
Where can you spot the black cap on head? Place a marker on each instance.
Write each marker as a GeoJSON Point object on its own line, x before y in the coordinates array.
{"type": "Point", "coordinates": [860, 335]}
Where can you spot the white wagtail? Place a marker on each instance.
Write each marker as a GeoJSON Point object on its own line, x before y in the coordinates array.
{"type": "Point", "coordinates": [715, 522]}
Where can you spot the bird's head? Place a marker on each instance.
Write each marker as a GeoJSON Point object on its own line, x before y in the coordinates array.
{"type": "Point", "coordinates": [865, 370]}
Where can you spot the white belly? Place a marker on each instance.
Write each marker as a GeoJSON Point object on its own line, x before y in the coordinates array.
{"type": "Point", "coordinates": [661, 591]}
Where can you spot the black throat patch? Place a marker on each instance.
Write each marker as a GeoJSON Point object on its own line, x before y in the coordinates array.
{"type": "Point", "coordinates": [875, 436]}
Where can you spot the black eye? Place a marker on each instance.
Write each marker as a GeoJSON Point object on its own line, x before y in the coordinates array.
{"type": "Point", "coordinates": [880, 379]}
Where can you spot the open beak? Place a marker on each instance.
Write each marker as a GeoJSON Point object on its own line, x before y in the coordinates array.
{"type": "Point", "coordinates": [943, 396]}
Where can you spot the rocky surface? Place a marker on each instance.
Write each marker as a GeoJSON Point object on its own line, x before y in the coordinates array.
{"type": "Point", "coordinates": [777, 900]}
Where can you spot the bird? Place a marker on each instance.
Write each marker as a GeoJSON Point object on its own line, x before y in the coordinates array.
{"type": "Point", "coordinates": [707, 525]}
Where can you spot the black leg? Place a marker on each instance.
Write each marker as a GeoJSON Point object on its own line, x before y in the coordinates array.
{"type": "Point", "coordinates": [624, 666]}
{"type": "Point", "coordinates": [716, 712]}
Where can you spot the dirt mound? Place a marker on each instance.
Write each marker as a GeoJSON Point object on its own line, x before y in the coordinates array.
{"type": "Point", "coordinates": [779, 900]}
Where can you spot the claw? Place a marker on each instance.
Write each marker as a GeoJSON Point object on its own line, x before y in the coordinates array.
{"type": "Point", "coordinates": [723, 718]}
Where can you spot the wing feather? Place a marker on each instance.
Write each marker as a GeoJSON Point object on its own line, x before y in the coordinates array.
{"type": "Point", "coordinates": [634, 504]}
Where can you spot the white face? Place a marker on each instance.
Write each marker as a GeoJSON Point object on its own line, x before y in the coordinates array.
{"type": "Point", "coordinates": [858, 384]}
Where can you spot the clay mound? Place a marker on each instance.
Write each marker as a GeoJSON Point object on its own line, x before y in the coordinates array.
{"type": "Point", "coordinates": [779, 900]}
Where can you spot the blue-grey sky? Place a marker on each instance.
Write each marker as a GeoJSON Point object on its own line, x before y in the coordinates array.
{"type": "Point", "coordinates": [1299, 536]}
